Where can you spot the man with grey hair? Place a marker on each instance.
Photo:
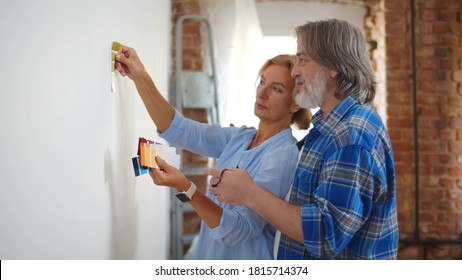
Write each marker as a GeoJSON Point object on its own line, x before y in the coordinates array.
{"type": "Point", "coordinates": [343, 199]}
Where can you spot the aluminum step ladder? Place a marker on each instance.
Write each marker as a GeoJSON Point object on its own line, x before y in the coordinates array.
{"type": "Point", "coordinates": [190, 90]}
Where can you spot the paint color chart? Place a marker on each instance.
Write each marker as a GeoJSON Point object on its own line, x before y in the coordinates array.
{"type": "Point", "coordinates": [115, 50]}
{"type": "Point", "coordinates": [146, 158]}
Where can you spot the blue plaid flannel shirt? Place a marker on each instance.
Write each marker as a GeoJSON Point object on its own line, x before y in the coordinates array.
{"type": "Point", "coordinates": [345, 182]}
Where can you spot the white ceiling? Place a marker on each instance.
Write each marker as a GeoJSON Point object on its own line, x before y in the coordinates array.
{"type": "Point", "coordinates": [279, 18]}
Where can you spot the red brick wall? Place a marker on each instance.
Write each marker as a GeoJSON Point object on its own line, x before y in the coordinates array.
{"type": "Point", "coordinates": [192, 43]}
{"type": "Point", "coordinates": [400, 109]}
{"type": "Point", "coordinates": [438, 51]}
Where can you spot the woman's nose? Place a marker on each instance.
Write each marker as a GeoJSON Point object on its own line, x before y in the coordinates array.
{"type": "Point", "coordinates": [262, 92]}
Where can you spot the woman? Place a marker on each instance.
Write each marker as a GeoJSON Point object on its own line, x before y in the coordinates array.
{"type": "Point", "coordinates": [268, 153]}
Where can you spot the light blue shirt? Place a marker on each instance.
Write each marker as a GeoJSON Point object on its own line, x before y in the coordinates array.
{"type": "Point", "coordinates": [242, 233]}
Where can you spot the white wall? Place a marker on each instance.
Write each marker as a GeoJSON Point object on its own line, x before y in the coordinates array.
{"type": "Point", "coordinates": [67, 189]}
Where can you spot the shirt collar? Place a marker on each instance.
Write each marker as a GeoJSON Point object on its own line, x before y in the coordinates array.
{"type": "Point", "coordinates": [326, 124]}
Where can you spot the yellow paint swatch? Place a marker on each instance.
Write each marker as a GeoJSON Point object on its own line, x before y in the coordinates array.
{"type": "Point", "coordinates": [115, 46]}
{"type": "Point", "coordinates": [115, 50]}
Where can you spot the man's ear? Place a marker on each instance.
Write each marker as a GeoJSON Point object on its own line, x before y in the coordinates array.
{"type": "Point", "coordinates": [333, 74]}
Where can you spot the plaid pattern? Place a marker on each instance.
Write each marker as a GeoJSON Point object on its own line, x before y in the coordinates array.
{"type": "Point", "coordinates": [345, 182]}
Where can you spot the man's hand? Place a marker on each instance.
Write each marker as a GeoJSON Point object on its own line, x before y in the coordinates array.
{"type": "Point", "coordinates": [235, 186]}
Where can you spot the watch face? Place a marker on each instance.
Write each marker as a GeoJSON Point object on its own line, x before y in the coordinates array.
{"type": "Point", "coordinates": [183, 197]}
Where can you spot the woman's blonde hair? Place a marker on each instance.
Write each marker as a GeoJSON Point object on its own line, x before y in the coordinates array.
{"type": "Point", "coordinates": [302, 118]}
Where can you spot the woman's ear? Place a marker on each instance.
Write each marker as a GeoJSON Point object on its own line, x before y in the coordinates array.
{"type": "Point", "coordinates": [294, 108]}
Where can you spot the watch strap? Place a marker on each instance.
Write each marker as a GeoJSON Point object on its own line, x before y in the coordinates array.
{"type": "Point", "coordinates": [187, 195]}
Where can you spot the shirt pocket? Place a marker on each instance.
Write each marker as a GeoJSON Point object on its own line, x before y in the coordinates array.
{"type": "Point", "coordinates": [308, 181]}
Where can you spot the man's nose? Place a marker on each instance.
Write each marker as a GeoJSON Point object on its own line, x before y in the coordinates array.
{"type": "Point", "coordinates": [295, 72]}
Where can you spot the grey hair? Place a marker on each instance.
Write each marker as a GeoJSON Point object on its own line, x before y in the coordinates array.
{"type": "Point", "coordinates": [340, 46]}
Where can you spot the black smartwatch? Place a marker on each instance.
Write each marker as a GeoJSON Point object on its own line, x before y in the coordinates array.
{"type": "Point", "coordinates": [187, 195]}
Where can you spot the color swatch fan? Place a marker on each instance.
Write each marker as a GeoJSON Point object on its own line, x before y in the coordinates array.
{"type": "Point", "coordinates": [146, 158]}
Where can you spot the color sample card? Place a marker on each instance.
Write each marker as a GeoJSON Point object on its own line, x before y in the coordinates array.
{"type": "Point", "coordinates": [139, 170]}
{"type": "Point", "coordinates": [148, 150]}
{"type": "Point", "coordinates": [115, 50]}
{"type": "Point", "coordinates": [146, 158]}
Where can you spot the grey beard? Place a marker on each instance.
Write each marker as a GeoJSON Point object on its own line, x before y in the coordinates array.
{"type": "Point", "coordinates": [311, 96]}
